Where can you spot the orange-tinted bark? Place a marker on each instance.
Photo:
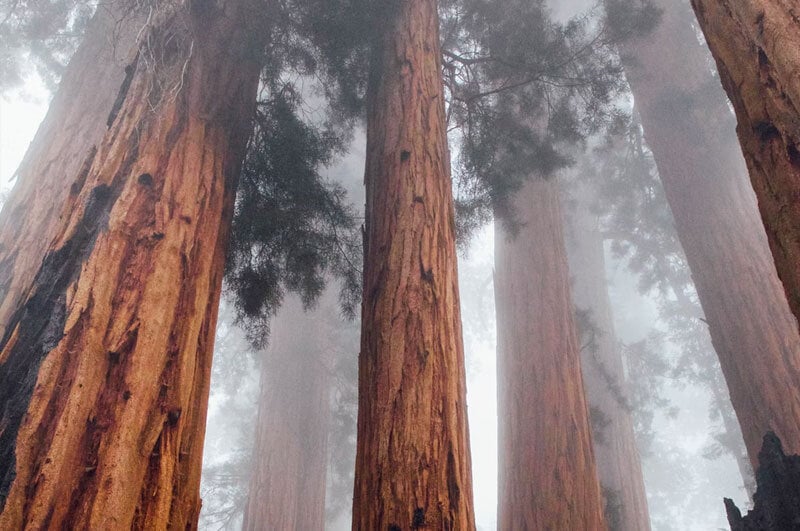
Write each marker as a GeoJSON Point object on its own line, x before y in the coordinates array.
{"type": "Point", "coordinates": [688, 126]}
{"type": "Point", "coordinates": [287, 488]}
{"type": "Point", "coordinates": [104, 370]}
{"type": "Point", "coordinates": [618, 463]}
{"type": "Point", "coordinates": [547, 471]}
{"type": "Point", "coordinates": [413, 458]}
{"type": "Point", "coordinates": [64, 144]}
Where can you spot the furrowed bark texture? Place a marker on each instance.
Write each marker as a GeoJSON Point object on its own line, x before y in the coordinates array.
{"type": "Point", "coordinates": [413, 458]}
{"type": "Point", "coordinates": [287, 488]}
{"type": "Point", "coordinates": [63, 148]}
{"type": "Point", "coordinates": [756, 45]}
{"type": "Point", "coordinates": [618, 463]}
{"type": "Point", "coordinates": [685, 122]}
{"type": "Point", "coordinates": [547, 472]}
{"type": "Point", "coordinates": [104, 370]}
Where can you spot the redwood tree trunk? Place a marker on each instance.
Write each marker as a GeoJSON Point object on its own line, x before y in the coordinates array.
{"type": "Point", "coordinates": [618, 462]}
{"type": "Point", "coordinates": [413, 458]}
{"type": "Point", "coordinates": [63, 147]}
{"type": "Point", "coordinates": [756, 44]}
{"type": "Point", "coordinates": [547, 473]}
{"type": "Point", "coordinates": [104, 369]}
{"type": "Point", "coordinates": [287, 488]}
{"type": "Point", "coordinates": [685, 123]}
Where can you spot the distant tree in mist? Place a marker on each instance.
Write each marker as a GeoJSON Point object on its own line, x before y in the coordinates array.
{"type": "Point", "coordinates": [610, 404]}
{"type": "Point", "coordinates": [521, 102]}
{"type": "Point", "coordinates": [689, 128]}
{"type": "Point", "coordinates": [637, 221]}
{"type": "Point", "coordinates": [754, 43]}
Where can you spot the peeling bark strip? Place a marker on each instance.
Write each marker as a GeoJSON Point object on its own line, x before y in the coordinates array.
{"type": "Point", "coordinates": [38, 327]}
{"type": "Point", "coordinates": [685, 124]}
{"type": "Point", "coordinates": [59, 158]}
{"type": "Point", "coordinates": [547, 471]}
{"type": "Point", "coordinates": [413, 458]}
{"type": "Point", "coordinates": [104, 368]}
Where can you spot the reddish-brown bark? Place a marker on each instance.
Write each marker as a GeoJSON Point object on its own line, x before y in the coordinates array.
{"type": "Point", "coordinates": [688, 126]}
{"type": "Point", "coordinates": [618, 463]}
{"type": "Point", "coordinates": [104, 370]}
{"type": "Point", "coordinates": [413, 458]}
{"type": "Point", "coordinates": [287, 488]}
{"type": "Point", "coordinates": [756, 44]}
{"type": "Point", "coordinates": [547, 472]}
{"type": "Point", "coordinates": [65, 142]}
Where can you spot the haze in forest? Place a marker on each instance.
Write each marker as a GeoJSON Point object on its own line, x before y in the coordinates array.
{"type": "Point", "coordinates": [461, 263]}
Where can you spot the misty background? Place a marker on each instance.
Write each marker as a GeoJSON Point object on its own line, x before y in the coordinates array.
{"type": "Point", "coordinates": [685, 471]}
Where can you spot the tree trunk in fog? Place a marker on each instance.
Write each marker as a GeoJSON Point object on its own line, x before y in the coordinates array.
{"type": "Point", "coordinates": [413, 458]}
{"type": "Point", "coordinates": [547, 473]}
{"type": "Point", "coordinates": [686, 124]}
{"type": "Point", "coordinates": [618, 462]}
{"type": "Point", "coordinates": [287, 488]}
{"type": "Point", "coordinates": [104, 369]}
{"type": "Point", "coordinates": [756, 44]}
{"type": "Point", "coordinates": [64, 146]}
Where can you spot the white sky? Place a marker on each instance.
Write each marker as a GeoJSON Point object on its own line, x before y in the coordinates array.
{"type": "Point", "coordinates": [21, 111]}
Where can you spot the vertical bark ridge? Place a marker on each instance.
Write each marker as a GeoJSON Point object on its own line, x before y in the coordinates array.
{"type": "Point", "coordinates": [686, 124]}
{"type": "Point", "coordinates": [413, 457]}
{"type": "Point", "coordinates": [118, 372]}
{"type": "Point", "coordinates": [64, 147]}
{"type": "Point", "coordinates": [547, 471]}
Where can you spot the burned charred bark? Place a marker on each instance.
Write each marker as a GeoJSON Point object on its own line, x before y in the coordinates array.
{"type": "Point", "coordinates": [777, 499]}
{"type": "Point", "coordinates": [413, 458]}
{"type": "Point", "coordinates": [105, 365]}
{"type": "Point", "coordinates": [287, 488]}
{"type": "Point", "coordinates": [547, 471]}
{"type": "Point", "coordinates": [689, 128]}
{"type": "Point", "coordinates": [618, 463]}
{"type": "Point", "coordinates": [64, 148]}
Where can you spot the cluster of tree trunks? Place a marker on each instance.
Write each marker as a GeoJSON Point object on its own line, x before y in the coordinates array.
{"type": "Point", "coordinates": [777, 500]}
{"type": "Point", "coordinates": [755, 44]}
{"type": "Point", "coordinates": [547, 470]}
{"type": "Point", "coordinates": [108, 334]}
{"type": "Point", "coordinates": [413, 457]}
{"type": "Point", "coordinates": [618, 463]}
{"type": "Point", "coordinates": [688, 126]}
{"type": "Point", "coordinates": [287, 486]}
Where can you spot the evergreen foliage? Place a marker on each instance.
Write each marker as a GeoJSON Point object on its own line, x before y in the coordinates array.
{"type": "Point", "coordinates": [42, 34]}
{"type": "Point", "coordinates": [291, 228]}
{"type": "Point", "coordinates": [523, 91]}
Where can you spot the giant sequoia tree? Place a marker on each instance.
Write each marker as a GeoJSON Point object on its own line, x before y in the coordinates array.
{"type": "Point", "coordinates": [754, 43]}
{"type": "Point", "coordinates": [688, 126]}
{"type": "Point", "coordinates": [106, 355]}
{"type": "Point", "coordinates": [547, 465]}
{"type": "Point", "coordinates": [413, 458]}
{"type": "Point", "coordinates": [618, 462]}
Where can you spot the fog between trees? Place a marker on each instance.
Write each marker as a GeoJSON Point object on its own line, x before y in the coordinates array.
{"type": "Point", "coordinates": [458, 264]}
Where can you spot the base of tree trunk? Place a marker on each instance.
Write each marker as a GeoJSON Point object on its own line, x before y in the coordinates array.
{"type": "Point", "coordinates": [777, 498]}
